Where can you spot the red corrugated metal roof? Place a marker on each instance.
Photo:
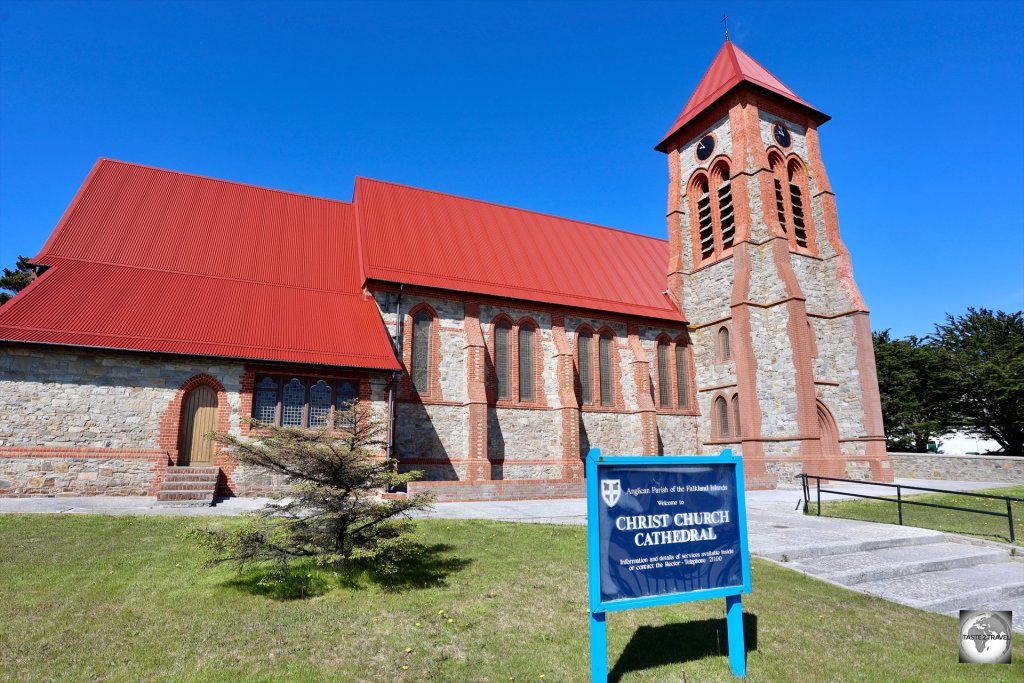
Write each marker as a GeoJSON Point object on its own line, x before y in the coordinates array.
{"type": "Point", "coordinates": [731, 67]}
{"type": "Point", "coordinates": [438, 240]}
{"type": "Point", "coordinates": [154, 260]}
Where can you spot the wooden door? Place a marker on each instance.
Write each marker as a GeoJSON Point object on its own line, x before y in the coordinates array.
{"type": "Point", "coordinates": [198, 418]}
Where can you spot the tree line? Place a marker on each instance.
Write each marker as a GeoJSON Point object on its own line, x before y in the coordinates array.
{"type": "Point", "coordinates": [968, 375]}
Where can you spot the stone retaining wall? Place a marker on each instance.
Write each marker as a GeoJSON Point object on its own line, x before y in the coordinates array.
{"type": "Point", "coordinates": [995, 468]}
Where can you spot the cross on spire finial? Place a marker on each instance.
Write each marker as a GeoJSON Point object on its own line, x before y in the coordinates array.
{"type": "Point", "coordinates": [725, 23]}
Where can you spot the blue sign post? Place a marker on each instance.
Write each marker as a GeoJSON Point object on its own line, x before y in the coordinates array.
{"type": "Point", "coordinates": [662, 530]}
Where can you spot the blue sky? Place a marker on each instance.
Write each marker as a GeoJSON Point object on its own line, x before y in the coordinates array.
{"type": "Point", "coordinates": [550, 106]}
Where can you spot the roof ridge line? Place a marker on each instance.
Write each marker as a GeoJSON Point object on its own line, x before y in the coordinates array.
{"type": "Point", "coordinates": [205, 275]}
{"type": "Point", "coordinates": [514, 208]}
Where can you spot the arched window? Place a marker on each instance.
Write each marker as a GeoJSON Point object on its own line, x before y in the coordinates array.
{"type": "Point", "coordinates": [726, 215]}
{"type": "Point", "coordinates": [736, 431]}
{"type": "Point", "coordinates": [293, 402]}
{"type": "Point", "coordinates": [780, 197]}
{"type": "Point", "coordinates": [724, 344]}
{"type": "Point", "coordinates": [502, 366]}
{"type": "Point", "coordinates": [584, 362]}
{"type": "Point", "coordinates": [722, 413]}
{"type": "Point", "coordinates": [526, 336]}
{"type": "Point", "coordinates": [682, 375]}
{"type": "Point", "coordinates": [421, 324]}
{"type": "Point", "coordinates": [796, 199]}
{"type": "Point", "coordinates": [664, 381]}
{"type": "Point", "coordinates": [606, 369]}
{"type": "Point", "coordinates": [319, 403]}
{"type": "Point", "coordinates": [790, 196]}
{"type": "Point", "coordinates": [705, 226]}
{"type": "Point", "coordinates": [712, 208]}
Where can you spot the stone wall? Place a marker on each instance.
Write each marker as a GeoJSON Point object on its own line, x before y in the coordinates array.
{"type": "Point", "coordinates": [96, 399]}
{"type": "Point", "coordinates": [52, 475]}
{"type": "Point", "coordinates": [994, 468]}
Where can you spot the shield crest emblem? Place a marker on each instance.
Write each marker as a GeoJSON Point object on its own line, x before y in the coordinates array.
{"type": "Point", "coordinates": [611, 491]}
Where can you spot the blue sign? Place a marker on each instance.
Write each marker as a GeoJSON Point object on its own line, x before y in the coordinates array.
{"type": "Point", "coordinates": [670, 529]}
{"type": "Point", "coordinates": [662, 530]}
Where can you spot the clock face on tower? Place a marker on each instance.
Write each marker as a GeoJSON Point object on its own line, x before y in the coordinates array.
{"type": "Point", "coordinates": [781, 135]}
{"type": "Point", "coordinates": [705, 147]}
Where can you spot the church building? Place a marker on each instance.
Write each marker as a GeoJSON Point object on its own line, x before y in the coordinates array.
{"type": "Point", "coordinates": [499, 344]}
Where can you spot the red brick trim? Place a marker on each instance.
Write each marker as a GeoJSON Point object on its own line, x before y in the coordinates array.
{"type": "Point", "coordinates": [45, 452]}
{"type": "Point", "coordinates": [407, 390]}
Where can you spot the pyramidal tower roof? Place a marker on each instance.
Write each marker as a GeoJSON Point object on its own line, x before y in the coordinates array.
{"type": "Point", "coordinates": [732, 68]}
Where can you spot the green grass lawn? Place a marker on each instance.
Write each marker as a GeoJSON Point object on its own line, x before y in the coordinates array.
{"type": "Point", "coordinates": [955, 521]}
{"type": "Point", "coordinates": [129, 599]}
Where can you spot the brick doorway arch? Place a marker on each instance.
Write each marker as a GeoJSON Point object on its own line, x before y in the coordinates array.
{"type": "Point", "coordinates": [198, 419]}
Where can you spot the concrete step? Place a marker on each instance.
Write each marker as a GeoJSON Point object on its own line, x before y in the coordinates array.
{"type": "Point", "coordinates": [201, 495]}
{"type": "Point", "coordinates": [894, 562]}
{"type": "Point", "coordinates": [783, 543]}
{"type": "Point", "coordinates": [189, 486]}
{"type": "Point", "coordinates": [183, 504]}
{"type": "Point", "coordinates": [952, 590]}
{"type": "Point", "coordinates": [196, 478]}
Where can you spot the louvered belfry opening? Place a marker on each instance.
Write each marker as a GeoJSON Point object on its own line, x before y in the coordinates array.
{"type": "Point", "coordinates": [726, 216]}
{"type": "Point", "coordinates": [664, 388]}
{"type": "Point", "coordinates": [502, 333]}
{"type": "Point", "coordinates": [780, 205]}
{"type": "Point", "coordinates": [585, 364]}
{"type": "Point", "coordinates": [797, 201]}
{"type": "Point", "coordinates": [724, 344]}
{"type": "Point", "coordinates": [707, 232]}
{"type": "Point", "coordinates": [606, 370]}
{"type": "Point", "coordinates": [526, 333]}
{"type": "Point", "coordinates": [421, 352]}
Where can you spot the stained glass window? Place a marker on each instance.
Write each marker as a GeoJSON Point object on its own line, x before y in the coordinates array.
{"type": "Point", "coordinates": [293, 401]}
{"type": "Point", "coordinates": [585, 364]}
{"type": "Point", "coordinates": [526, 363]}
{"type": "Point", "coordinates": [606, 370]}
{"type": "Point", "coordinates": [502, 332]}
{"type": "Point", "coordinates": [319, 404]}
{"type": "Point", "coordinates": [264, 405]}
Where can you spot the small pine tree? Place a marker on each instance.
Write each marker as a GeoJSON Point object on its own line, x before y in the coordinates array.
{"type": "Point", "coordinates": [335, 515]}
{"type": "Point", "coordinates": [17, 279]}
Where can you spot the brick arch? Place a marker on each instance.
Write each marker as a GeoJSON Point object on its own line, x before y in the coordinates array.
{"type": "Point", "coordinates": [170, 426]}
{"type": "Point", "coordinates": [539, 397]}
{"type": "Point", "coordinates": [490, 360]}
{"type": "Point", "coordinates": [682, 344]}
{"type": "Point", "coordinates": [614, 371]}
{"type": "Point", "coordinates": [716, 422]}
{"type": "Point", "coordinates": [434, 358]}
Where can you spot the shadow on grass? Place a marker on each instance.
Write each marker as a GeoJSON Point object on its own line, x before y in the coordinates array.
{"type": "Point", "coordinates": [428, 568]}
{"type": "Point", "coordinates": [654, 646]}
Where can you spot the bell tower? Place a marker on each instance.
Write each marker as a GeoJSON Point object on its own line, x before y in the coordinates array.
{"type": "Point", "coordinates": [785, 367]}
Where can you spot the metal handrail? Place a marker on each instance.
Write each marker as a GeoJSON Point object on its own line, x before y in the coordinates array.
{"type": "Point", "coordinates": [900, 501]}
